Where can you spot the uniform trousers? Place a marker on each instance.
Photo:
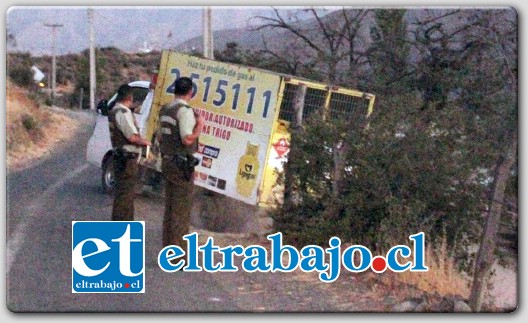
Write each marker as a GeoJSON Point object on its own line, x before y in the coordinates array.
{"type": "Point", "coordinates": [178, 204]}
{"type": "Point", "coordinates": [126, 177]}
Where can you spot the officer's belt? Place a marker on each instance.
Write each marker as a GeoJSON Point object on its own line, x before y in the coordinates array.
{"type": "Point", "coordinates": [131, 149]}
{"type": "Point", "coordinates": [120, 152]}
{"type": "Point", "coordinates": [174, 157]}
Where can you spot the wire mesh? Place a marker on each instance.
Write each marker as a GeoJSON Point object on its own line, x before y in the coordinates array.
{"type": "Point", "coordinates": [341, 106]}
{"type": "Point", "coordinates": [313, 101]}
{"type": "Point", "coordinates": [286, 110]}
{"type": "Point", "coordinates": [348, 107]}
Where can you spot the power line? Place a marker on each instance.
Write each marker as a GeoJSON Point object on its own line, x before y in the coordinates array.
{"type": "Point", "coordinates": [92, 59]}
{"type": "Point", "coordinates": [53, 58]}
{"type": "Point", "coordinates": [208, 42]}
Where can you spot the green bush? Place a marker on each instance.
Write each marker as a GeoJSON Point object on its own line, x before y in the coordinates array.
{"type": "Point", "coordinates": [22, 76]}
{"type": "Point", "coordinates": [402, 175]}
{"type": "Point", "coordinates": [48, 101]}
{"type": "Point", "coordinates": [29, 122]}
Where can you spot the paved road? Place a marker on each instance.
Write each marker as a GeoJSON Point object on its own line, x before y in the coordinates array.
{"type": "Point", "coordinates": [43, 200]}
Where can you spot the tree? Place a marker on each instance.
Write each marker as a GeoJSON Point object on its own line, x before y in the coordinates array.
{"type": "Point", "coordinates": [325, 36]}
{"type": "Point", "coordinates": [443, 47]}
{"type": "Point", "coordinates": [496, 106]}
{"type": "Point", "coordinates": [287, 60]}
{"type": "Point", "coordinates": [466, 67]}
{"type": "Point", "coordinates": [353, 23]}
{"type": "Point", "coordinates": [230, 54]}
{"type": "Point", "coordinates": [486, 254]}
{"type": "Point", "coordinates": [389, 53]}
{"type": "Point", "coordinates": [440, 150]}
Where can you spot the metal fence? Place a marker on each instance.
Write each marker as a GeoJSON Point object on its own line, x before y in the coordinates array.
{"type": "Point", "coordinates": [332, 103]}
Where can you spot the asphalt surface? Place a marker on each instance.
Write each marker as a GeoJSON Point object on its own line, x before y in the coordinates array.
{"type": "Point", "coordinates": [42, 202]}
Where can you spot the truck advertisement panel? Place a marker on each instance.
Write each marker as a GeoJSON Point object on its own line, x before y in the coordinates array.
{"type": "Point", "coordinates": [239, 105]}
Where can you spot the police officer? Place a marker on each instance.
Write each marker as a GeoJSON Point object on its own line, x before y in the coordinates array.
{"type": "Point", "coordinates": [178, 136]}
{"type": "Point", "coordinates": [127, 145]}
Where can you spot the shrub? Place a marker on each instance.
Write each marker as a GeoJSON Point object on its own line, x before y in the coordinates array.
{"type": "Point", "coordinates": [48, 101]}
{"type": "Point", "coordinates": [22, 76]}
{"type": "Point", "coordinates": [398, 179]}
{"type": "Point", "coordinates": [29, 122]}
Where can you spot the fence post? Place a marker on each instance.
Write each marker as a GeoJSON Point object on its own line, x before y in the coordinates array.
{"type": "Point", "coordinates": [81, 99]}
{"type": "Point", "coordinates": [295, 129]}
{"type": "Point", "coordinates": [298, 106]}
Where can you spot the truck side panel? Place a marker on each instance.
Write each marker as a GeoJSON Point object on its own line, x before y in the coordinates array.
{"type": "Point", "coordinates": [239, 106]}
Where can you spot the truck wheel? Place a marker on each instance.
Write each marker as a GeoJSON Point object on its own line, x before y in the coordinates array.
{"type": "Point", "coordinates": [108, 178]}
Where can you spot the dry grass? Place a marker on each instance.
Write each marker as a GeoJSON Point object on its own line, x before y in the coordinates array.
{"type": "Point", "coordinates": [442, 277]}
{"type": "Point", "coordinates": [31, 130]}
{"type": "Point", "coordinates": [367, 290]}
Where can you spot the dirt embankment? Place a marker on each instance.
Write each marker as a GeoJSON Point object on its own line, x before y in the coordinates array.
{"type": "Point", "coordinates": [32, 130]}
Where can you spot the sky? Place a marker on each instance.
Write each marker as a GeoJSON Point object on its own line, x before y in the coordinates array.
{"type": "Point", "coordinates": [127, 28]}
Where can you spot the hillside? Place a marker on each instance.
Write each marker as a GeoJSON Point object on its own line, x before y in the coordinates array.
{"type": "Point", "coordinates": [250, 40]}
{"type": "Point", "coordinates": [114, 67]}
{"type": "Point", "coordinates": [31, 130]}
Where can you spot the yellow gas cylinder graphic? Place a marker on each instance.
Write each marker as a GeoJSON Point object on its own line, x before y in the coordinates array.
{"type": "Point", "coordinates": [248, 168]}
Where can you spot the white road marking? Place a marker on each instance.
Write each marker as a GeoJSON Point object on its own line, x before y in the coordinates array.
{"type": "Point", "coordinates": [215, 299]}
{"type": "Point", "coordinates": [20, 232]}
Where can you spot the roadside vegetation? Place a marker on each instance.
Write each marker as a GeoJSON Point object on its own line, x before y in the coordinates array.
{"type": "Point", "coordinates": [438, 155]}
{"type": "Point", "coordinates": [32, 129]}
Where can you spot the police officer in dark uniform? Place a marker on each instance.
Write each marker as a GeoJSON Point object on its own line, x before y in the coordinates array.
{"type": "Point", "coordinates": [127, 145]}
{"type": "Point", "coordinates": [179, 129]}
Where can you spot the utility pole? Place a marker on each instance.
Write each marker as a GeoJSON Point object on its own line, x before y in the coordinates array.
{"type": "Point", "coordinates": [53, 59]}
{"type": "Point", "coordinates": [92, 58]}
{"type": "Point", "coordinates": [208, 46]}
